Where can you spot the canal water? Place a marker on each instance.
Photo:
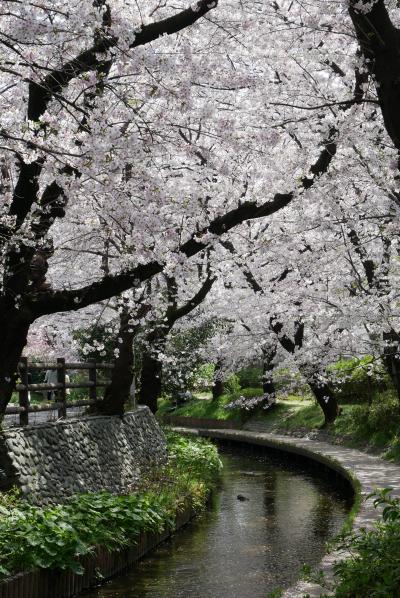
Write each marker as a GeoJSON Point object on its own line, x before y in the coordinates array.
{"type": "Point", "coordinates": [243, 548]}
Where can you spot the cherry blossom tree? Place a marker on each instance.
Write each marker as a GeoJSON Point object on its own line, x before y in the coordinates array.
{"type": "Point", "coordinates": [54, 67]}
{"type": "Point", "coordinates": [101, 128]}
{"type": "Point", "coordinates": [135, 139]}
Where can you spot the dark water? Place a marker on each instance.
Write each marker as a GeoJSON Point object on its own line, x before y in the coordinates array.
{"type": "Point", "coordinates": [243, 549]}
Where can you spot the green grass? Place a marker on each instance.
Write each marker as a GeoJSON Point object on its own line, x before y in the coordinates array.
{"type": "Point", "coordinates": [352, 428]}
{"type": "Point", "coordinates": [289, 414]}
{"type": "Point", "coordinates": [206, 408]}
{"type": "Point", "coordinates": [295, 414]}
{"type": "Point", "coordinates": [372, 427]}
{"type": "Point", "coordinates": [36, 398]}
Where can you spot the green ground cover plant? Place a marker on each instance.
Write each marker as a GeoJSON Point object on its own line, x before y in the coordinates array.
{"type": "Point", "coordinates": [373, 570]}
{"type": "Point", "coordinates": [250, 376]}
{"type": "Point", "coordinates": [202, 405]}
{"type": "Point", "coordinates": [213, 409]}
{"type": "Point", "coordinates": [206, 407]}
{"type": "Point", "coordinates": [55, 537]}
{"type": "Point", "coordinates": [373, 426]}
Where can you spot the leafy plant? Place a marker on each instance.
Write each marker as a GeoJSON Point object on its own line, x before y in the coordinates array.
{"type": "Point", "coordinates": [250, 376]}
{"type": "Point", "coordinates": [185, 368]}
{"type": "Point", "coordinates": [57, 537]}
{"type": "Point", "coordinates": [379, 421]}
{"type": "Point", "coordinates": [232, 385]}
{"type": "Point", "coordinates": [373, 569]}
{"type": "Point", "coordinates": [198, 458]}
{"type": "Point", "coordinates": [356, 380]}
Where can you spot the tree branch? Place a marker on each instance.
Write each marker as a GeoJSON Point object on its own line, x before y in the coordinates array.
{"type": "Point", "coordinates": [109, 286]}
{"type": "Point", "coordinates": [41, 93]}
{"type": "Point", "coordinates": [367, 264]}
{"type": "Point", "coordinates": [190, 305]}
{"type": "Point", "coordinates": [25, 193]}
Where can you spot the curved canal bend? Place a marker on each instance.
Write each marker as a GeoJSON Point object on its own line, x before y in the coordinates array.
{"type": "Point", "coordinates": [244, 548]}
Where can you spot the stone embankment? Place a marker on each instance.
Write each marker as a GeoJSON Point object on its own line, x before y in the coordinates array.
{"type": "Point", "coordinates": [53, 461]}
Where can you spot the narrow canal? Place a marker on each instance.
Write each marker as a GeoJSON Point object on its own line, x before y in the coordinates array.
{"type": "Point", "coordinates": [243, 548]}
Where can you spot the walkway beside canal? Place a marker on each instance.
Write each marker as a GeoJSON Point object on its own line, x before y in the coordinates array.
{"type": "Point", "coordinates": [365, 472]}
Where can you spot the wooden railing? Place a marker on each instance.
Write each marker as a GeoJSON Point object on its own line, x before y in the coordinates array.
{"type": "Point", "coordinates": [61, 405]}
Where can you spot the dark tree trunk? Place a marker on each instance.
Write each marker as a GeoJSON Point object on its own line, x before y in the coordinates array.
{"type": "Point", "coordinates": [117, 393]}
{"type": "Point", "coordinates": [393, 367]}
{"type": "Point", "coordinates": [268, 383]}
{"type": "Point", "coordinates": [217, 389]}
{"type": "Point", "coordinates": [13, 335]}
{"type": "Point", "coordinates": [325, 399]}
{"type": "Point", "coordinates": [268, 367]}
{"type": "Point", "coordinates": [322, 391]}
{"type": "Point", "coordinates": [391, 359]}
{"type": "Point", "coordinates": [150, 380]}
{"type": "Point", "coordinates": [218, 383]}
{"type": "Point", "coordinates": [151, 375]}
{"type": "Point", "coordinates": [379, 41]}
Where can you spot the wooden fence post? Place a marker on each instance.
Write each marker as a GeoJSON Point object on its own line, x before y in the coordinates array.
{"type": "Point", "coordinates": [24, 394]}
{"type": "Point", "coordinates": [62, 395]}
{"type": "Point", "coordinates": [93, 378]}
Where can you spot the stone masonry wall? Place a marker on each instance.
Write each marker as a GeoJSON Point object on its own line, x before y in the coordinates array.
{"type": "Point", "coordinates": [55, 460]}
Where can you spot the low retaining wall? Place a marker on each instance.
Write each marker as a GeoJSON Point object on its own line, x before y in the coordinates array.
{"type": "Point", "coordinates": [101, 566]}
{"type": "Point", "coordinates": [200, 422]}
{"type": "Point", "coordinates": [53, 461]}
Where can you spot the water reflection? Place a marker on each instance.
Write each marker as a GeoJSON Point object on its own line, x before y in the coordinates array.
{"type": "Point", "coordinates": [242, 549]}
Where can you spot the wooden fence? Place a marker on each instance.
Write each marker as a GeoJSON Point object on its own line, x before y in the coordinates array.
{"type": "Point", "coordinates": [61, 404]}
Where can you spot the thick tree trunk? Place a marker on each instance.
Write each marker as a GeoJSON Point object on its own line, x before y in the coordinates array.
{"type": "Point", "coordinates": [391, 359]}
{"type": "Point", "coordinates": [393, 368]}
{"type": "Point", "coordinates": [325, 399]}
{"type": "Point", "coordinates": [117, 393]}
{"type": "Point", "coordinates": [218, 382]}
{"type": "Point", "coordinates": [379, 41]}
{"type": "Point", "coordinates": [268, 367]}
{"type": "Point", "coordinates": [151, 375]}
{"type": "Point", "coordinates": [268, 383]}
{"type": "Point", "coordinates": [150, 380]}
{"type": "Point", "coordinates": [13, 335]}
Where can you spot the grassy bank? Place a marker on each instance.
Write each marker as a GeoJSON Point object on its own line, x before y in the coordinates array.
{"type": "Point", "coordinates": [202, 405]}
{"type": "Point", "coordinates": [372, 425]}
{"type": "Point", "coordinates": [289, 414]}
{"type": "Point", "coordinates": [55, 537]}
{"type": "Point", "coordinates": [368, 426]}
